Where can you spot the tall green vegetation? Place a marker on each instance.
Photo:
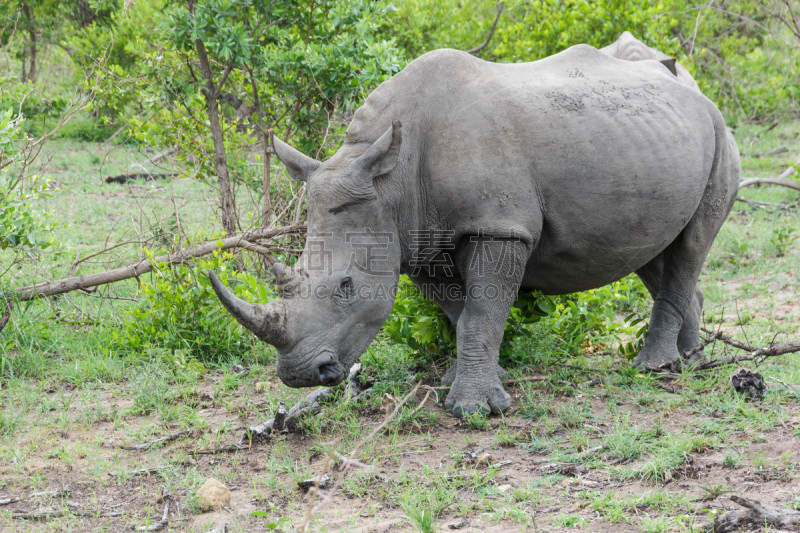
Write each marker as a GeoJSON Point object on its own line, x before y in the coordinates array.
{"type": "Point", "coordinates": [224, 73]}
{"type": "Point", "coordinates": [744, 53]}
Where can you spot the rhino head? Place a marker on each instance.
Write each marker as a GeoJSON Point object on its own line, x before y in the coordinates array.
{"type": "Point", "coordinates": [336, 298]}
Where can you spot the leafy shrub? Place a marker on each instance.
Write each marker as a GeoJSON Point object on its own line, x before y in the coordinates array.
{"type": "Point", "coordinates": [420, 324]}
{"type": "Point", "coordinates": [179, 312]}
{"type": "Point", "coordinates": [584, 321]}
{"type": "Point", "coordinates": [19, 222]}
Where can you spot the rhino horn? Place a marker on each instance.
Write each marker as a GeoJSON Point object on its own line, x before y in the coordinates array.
{"type": "Point", "coordinates": [267, 322]}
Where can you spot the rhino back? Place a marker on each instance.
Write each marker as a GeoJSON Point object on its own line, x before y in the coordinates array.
{"type": "Point", "coordinates": [596, 162]}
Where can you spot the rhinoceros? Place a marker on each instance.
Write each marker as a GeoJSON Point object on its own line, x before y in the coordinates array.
{"type": "Point", "coordinates": [480, 180]}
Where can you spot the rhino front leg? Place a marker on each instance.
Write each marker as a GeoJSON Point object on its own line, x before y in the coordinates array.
{"type": "Point", "coordinates": [449, 295]}
{"type": "Point", "coordinates": [492, 270]}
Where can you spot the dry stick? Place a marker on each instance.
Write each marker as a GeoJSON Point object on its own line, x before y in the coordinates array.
{"type": "Point", "coordinates": [754, 353]}
{"type": "Point", "coordinates": [143, 267]}
{"type": "Point", "coordinates": [168, 438]}
{"type": "Point", "coordinates": [6, 501]}
{"type": "Point", "coordinates": [757, 515]}
{"type": "Point", "coordinates": [161, 524]}
{"type": "Point", "coordinates": [700, 347]}
{"type": "Point", "coordinates": [769, 181]}
{"type": "Point", "coordinates": [46, 515]}
{"type": "Point", "coordinates": [481, 46]}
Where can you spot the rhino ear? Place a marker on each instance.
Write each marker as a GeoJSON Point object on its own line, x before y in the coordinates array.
{"type": "Point", "coordinates": [300, 166]}
{"type": "Point", "coordinates": [670, 64]}
{"type": "Point", "coordinates": [381, 157]}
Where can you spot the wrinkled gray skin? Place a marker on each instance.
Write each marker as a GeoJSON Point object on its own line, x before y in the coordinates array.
{"type": "Point", "coordinates": [561, 175]}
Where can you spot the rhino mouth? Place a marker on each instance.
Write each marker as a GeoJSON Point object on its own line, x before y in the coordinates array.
{"type": "Point", "coordinates": [323, 369]}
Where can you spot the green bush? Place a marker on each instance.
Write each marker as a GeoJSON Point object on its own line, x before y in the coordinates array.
{"type": "Point", "coordinates": [178, 311]}
{"type": "Point", "coordinates": [19, 222]}
{"type": "Point", "coordinates": [584, 321]}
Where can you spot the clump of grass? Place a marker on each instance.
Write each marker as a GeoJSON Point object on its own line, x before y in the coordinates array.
{"type": "Point", "coordinates": [670, 455]}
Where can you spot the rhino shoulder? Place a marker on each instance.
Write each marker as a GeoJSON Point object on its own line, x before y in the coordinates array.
{"type": "Point", "coordinates": [417, 84]}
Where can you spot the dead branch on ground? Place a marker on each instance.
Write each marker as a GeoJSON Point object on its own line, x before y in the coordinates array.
{"type": "Point", "coordinates": [47, 515]}
{"type": "Point", "coordinates": [162, 440]}
{"type": "Point", "coordinates": [757, 515]}
{"type": "Point", "coordinates": [287, 421]}
{"type": "Point", "coordinates": [161, 524]}
{"type": "Point", "coordinates": [769, 181]}
{"type": "Point", "coordinates": [6, 315]}
{"type": "Point", "coordinates": [753, 353]}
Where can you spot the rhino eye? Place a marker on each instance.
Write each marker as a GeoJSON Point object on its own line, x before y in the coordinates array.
{"type": "Point", "coordinates": [346, 288]}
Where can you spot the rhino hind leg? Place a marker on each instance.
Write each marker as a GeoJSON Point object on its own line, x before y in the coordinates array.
{"type": "Point", "coordinates": [689, 334]}
{"type": "Point", "coordinates": [492, 270]}
{"type": "Point", "coordinates": [677, 306]}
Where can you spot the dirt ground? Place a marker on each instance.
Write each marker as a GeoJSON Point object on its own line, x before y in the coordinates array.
{"type": "Point", "coordinates": [89, 463]}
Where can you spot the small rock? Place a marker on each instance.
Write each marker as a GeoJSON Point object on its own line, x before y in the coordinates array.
{"type": "Point", "coordinates": [261, 386]}
{"type": "Point", "coordinates": [321, 481]}
{"type": "Point", "coordinates": [458, 525]}
{"type": "Point", "coordinates": [483, 458]}
{"type": "Point", "coordinates": [504, 488]}
{"type": "Point", "coordinates": [213, 495]}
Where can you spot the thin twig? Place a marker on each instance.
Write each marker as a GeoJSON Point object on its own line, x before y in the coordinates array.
{"type": "Point", "coordinates": [162, 440]}
{"type": "Point", "coordinates": [161, 524]}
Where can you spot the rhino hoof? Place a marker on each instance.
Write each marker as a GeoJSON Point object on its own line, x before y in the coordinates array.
{"type": "Point", "coordinates": [467, 409]}
{"type": "Point", "coordinates": [653, 362]}
{"type": "Point", "coordinates": [463, 400]}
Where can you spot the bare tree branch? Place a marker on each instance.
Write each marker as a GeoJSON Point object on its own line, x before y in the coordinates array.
{"type": "Point", "coordinates": [143, 267]}
{"type": "Point", "coordinates": [481, 46]}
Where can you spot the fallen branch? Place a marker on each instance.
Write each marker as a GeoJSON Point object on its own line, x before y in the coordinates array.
{"type": "Point", "coordinates": [139, 268]}
{"type": "Point", "coordinates": [146, 176]}
{"type": "Point", "coordinates": [162, 440]}
{"type": "Point", "coordinates": [141, 472]}
{"type": "Point", "coordinates": [481, 46]}
{"type": "Point", "coordinates": [754, 353]}
{"type": "Point", "coordinates": [766, 205]}
{"type": "Point", "coordinates": [769, 181]}
{"type": "Point", "coordinates": [161, 524]}
{"type": "Point", "coordinates": [758, 516]}
{"type": "Point", "coordinates": [47, 515]}
{"type": "Point", "coordinates": [287, 421]}
{"type": "Point", "coordinates": [230, 448]}
{"type": "Point", "coordinates": [7, 501]}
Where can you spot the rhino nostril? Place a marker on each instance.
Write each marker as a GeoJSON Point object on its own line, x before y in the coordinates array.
{"type": "Point", "coordinates": [329, 373]}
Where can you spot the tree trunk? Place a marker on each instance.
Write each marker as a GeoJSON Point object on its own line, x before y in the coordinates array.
{"type": "Point", "coordinates": [210, 92]}
{"type": "Point", "coordinates": [266, 200]}
{"type": "Point", "coordinates": [32, 67]}
{"type": "Point", "coordinates": [31, 75]}
{"type": "Point", "coordinates": [265, 137]}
